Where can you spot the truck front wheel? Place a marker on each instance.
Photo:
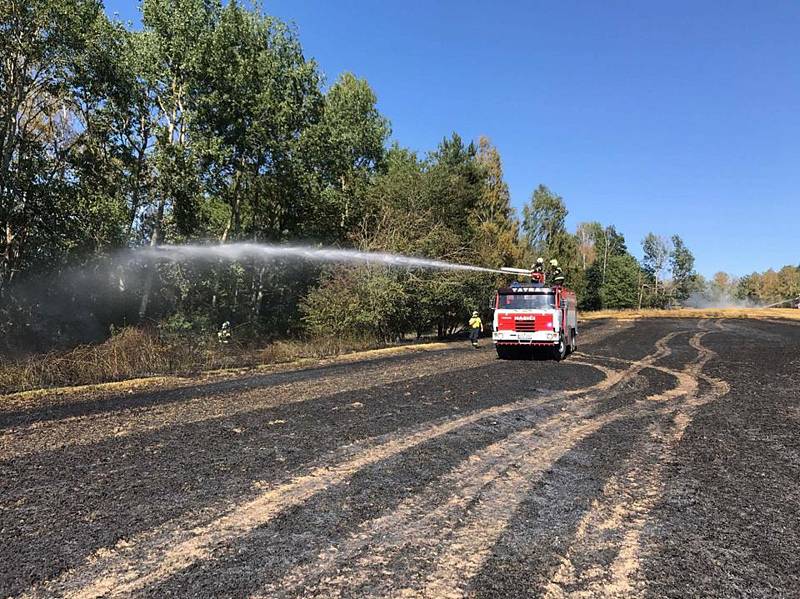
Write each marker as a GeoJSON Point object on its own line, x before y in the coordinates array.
{"type": "Point", "coordinates": [560, 350]}
{"type": "Point", "coordinates": [505, 352]}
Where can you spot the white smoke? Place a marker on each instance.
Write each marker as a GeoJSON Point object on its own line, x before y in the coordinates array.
{"type": "Point", "coordinates": [708, 300]}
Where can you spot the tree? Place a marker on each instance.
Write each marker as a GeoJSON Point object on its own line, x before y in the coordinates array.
{"type": "Point", "coordinates": [350, 142]}
{"type": "Point", "coordinates": [610, 243]}
{"type": "Point", "coordinates": [543, 220]}
{"type": "Point", "coordinates": [591, 298]}
{"type": "Point", "coordinates": [495, 204]}
{"type": "Point", "coordinates": [45, 75]}
{"type": "Point", "coordinates": [455, 184]}
{"type": "Point", "coordinates": [620, 289]}
{"type": "Point", "coordinates": [720, 288]}
{"type": "Point", "coordinates": [410, 211]}
{"type": "Point", "coordinates": [769, 287]}
{"type": "Point", "coordinates": [546, 234]}
{"type": "Point", "coordinates": [495, 227]}
{"type": "Point", "coordinates": [587, 235]}
{"type": "Point", "coordinates": [169, 49]}
{"type": "Point", "coordinates": [684, 278]}
{"type": "Point", "coordinates": [748, 288]}
{"type": "Point", "coordinates": [656, 253]}
{"type": "Point", "coordinates": [366, 302]}
{"type": "Point", "coordinates": [622, 282]}
{"type": "Point", "coordinates": [789, 282]}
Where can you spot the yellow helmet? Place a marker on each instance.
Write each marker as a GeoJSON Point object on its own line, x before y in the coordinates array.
{"type": "Point", "coordinates": [553, 262]}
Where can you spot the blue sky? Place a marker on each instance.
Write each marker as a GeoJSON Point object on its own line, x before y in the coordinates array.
{"type": "Point", "coordinates": [673, 117]}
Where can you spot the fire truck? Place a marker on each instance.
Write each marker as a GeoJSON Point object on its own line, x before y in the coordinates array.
{"type": "Point", "coordinates": [534, 317]}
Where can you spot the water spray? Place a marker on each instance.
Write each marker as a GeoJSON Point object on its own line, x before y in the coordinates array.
{"type": "Point", "coordinates": [238, 251]}
{"type": "Point", "coordinates": [786, 301]}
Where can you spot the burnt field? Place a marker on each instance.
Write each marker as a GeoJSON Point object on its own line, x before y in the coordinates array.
{"type": "Point", "coordinates": [661, 460]}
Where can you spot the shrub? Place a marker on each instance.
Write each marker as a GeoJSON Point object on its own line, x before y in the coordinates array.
{"type": "Point", "coordinates": [362, 303]}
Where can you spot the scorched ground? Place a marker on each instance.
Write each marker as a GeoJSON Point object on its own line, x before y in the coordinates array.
{"type": "Point", "coordinates": [660, 460]}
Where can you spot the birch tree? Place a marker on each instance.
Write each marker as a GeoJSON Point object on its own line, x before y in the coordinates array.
{"type": "Point", "coordinates": [656, 252]}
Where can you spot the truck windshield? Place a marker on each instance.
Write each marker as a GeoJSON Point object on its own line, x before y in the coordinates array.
{"type": "Point", "coordinates": [525, 301]}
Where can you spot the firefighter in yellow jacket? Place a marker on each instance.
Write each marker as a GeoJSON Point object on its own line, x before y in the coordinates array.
{"type": "Point", "coordinates": [475, 328]}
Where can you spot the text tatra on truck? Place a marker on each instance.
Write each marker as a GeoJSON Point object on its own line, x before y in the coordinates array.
{"type": "Point", "coordinates": [535, 316]}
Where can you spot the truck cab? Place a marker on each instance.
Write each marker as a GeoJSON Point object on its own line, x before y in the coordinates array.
{"type": "Point", "coordinates": [531, 317]}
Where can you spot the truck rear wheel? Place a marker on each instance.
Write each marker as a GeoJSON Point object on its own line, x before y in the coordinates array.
{"type": "Point", "coordinates": [573, 345]}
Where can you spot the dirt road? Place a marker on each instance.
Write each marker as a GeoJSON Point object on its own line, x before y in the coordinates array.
{"type": "Point", "coordinates": [661, 460]}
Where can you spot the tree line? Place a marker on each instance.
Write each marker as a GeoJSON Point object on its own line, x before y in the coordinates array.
{"type": "Point", "coordinates": [208, 124]}
{"type": "Point", "coordinates": [598, 264]}
{"type": "Point", "coordinates": [781, 287]}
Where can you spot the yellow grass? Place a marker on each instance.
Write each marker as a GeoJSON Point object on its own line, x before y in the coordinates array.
{"type": "Point", "coordinates": [137, 384]}
{"type": "Point", "coordinates": [279, 356]}
{"type": "Point", "coordinates": [757, 313]}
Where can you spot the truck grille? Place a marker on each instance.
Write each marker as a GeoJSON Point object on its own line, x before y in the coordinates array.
{"type": "Point", "coordinates": [525, 326]}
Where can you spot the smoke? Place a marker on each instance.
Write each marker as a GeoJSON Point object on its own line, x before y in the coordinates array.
{"type": "Point", "coordinates": [709, 300]}
{"type": "Point", "coordinates": [75, 304]}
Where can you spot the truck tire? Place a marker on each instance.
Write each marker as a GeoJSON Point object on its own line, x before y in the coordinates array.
{"type": "Point", "coordinates": [560, 350]}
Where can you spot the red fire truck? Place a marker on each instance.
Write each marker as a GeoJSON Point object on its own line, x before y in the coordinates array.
{"type": "Point", "coordinates": [534, 316]}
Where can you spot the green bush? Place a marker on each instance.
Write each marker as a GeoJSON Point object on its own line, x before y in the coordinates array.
{"type": "Point", "coordinates": [363, 302]}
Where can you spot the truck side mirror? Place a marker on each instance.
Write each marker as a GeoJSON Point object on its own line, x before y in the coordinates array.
{"type": "Point", "coordinates": [492, 302]}
{"type": "Point", "coordinates": [563, 303]}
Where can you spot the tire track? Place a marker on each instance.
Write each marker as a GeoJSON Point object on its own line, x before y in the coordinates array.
{"type": "Point", "coordinates": [154, 556]}
{"type": "Point", "coordinates": [24, 438]}
{"type": "Point", "coordinates": [616, 520]}
{"type": "Point", "coordinates": [472, 543]}
{"type": "Point", "coordinates": [90, 429]}
{"type": "Point", "coordinates": [420, 523]}
{"type": "Point", "coordinates": [513, 470]}
{"type": "Point", "coordinates": [159, 554]}
{"type": "Point", "coordinates": [492, 479]}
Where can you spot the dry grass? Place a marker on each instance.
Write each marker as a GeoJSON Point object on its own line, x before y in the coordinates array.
{"type": "Point", "coordinates": [131, 353]}
{"type": "Point", "coordinates": [281, 352]}
{"type": "Point", "coordinates": [136, 353]}
{"type": "Point", "coordinates": [757, 313]}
